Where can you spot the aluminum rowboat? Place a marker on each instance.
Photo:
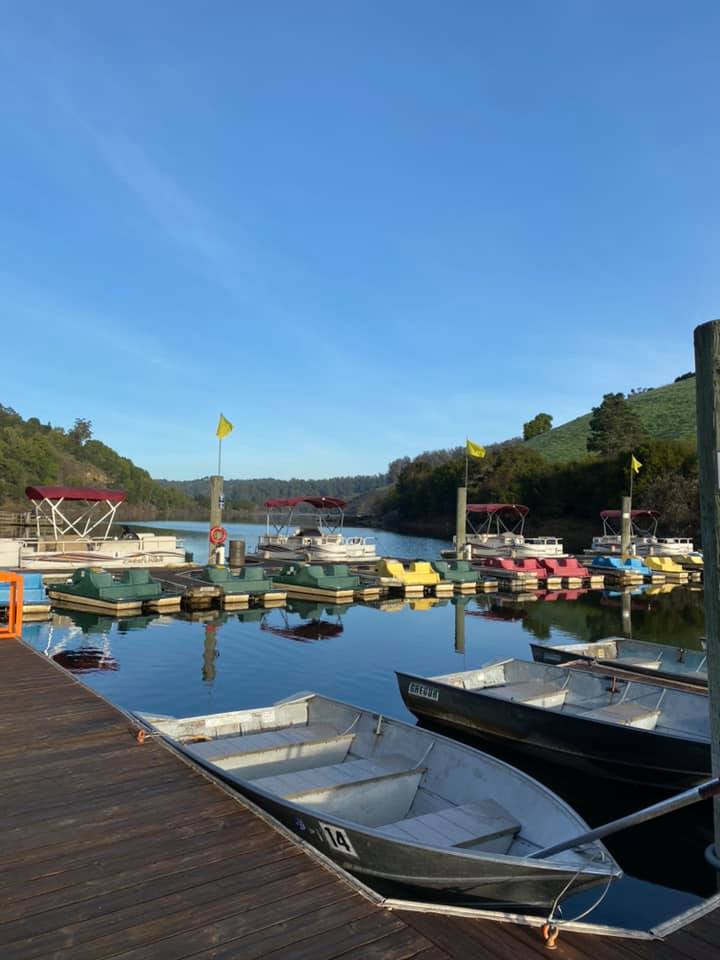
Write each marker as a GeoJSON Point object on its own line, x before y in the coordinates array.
{"type": "Point", "coordinates": [385, 799]}
{"type": "Point", "coordinates": [634, 656]}
{"type": "Point", "coordinates": [619, 727]}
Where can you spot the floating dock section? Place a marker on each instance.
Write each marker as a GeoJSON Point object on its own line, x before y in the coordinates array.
{"type": "Point", "coordinates": [458, 572]}
{"type": "Point", "coordinates": [329, 581]}
{"type": "Point", "coordinates": [36, 604]}
{"type": "Point", "coordinates": [630, 570]}
{"type": "Point", "coordinates": [515, 575]}
{"type": "Point", "coordinates": [123, 593]}
{"type": "Point", "coordinates": [238, 589]}
{"type": "Point", "coordinates": [414, 578]}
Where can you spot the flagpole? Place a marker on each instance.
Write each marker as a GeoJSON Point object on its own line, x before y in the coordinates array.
{"type": "Point", "coordinates": [219, 455]}
{"type": "Point", "coordinates": [467, 461]}
{"type": "Point", "coordinates": [631, 476]}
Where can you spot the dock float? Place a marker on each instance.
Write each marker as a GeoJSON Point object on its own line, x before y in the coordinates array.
{"type": "Point", "coordinates": [123, 593]}
{"type": "Point", "coordinates": [240, 588]}
{"type": "Point", "coordinates": [511, 574]}
{"type": "Point", "coordinates": [414, 579]}
{"type": "Point", "coordinates": [331, 582]}
{"type": "Point", "coordinates": [458, 572]}
{"type": "Point", "coordinates": [35, 603]}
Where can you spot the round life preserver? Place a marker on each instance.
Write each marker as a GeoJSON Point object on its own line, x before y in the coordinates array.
{"type": "Point", "coordinates": [218, 536]}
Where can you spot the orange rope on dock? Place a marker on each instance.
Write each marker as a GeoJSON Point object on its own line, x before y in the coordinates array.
{"type": "Point", "coordinates": [12, 630]}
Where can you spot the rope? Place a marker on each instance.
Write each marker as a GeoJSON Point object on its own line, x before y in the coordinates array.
{"type": "Point", "coordinates": [551, 927]}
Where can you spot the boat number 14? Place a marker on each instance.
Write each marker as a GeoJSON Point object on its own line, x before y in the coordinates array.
{"type": "Point", "coordinates": [338, 839]}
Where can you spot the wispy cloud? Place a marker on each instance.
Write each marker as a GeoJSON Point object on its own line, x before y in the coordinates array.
{"type": "Point", "coordinates": [181, 218]}
{"type": "Point", "coordinates": [96, 333]}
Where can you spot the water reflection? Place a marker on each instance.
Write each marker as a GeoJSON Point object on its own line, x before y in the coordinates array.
{"type": "Point", "coordinates": [316, 621]}
{"type": "Point", "coordinates": [81, 641]}
{"type": "Point", "coordinates": [214, 661]}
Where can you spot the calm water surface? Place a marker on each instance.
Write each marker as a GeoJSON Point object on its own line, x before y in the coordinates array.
{"type": "Point", "coordinates": [224, 662]}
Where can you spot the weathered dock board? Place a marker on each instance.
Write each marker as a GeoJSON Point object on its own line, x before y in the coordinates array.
{"type": "Point", "coordinates": [488, 940]}
{"type": "Point", "coordinates": [115, 850]}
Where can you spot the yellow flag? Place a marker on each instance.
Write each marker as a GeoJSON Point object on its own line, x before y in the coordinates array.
{"type": "Point", "coordinates": [634, 463]}
{"type": "Point", "coordinates": [474, 450]}
{"type": "Point", "coordinates": [224, 427]}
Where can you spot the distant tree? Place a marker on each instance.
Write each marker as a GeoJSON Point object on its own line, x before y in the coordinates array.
{"type": "Point", "coordinates": [396, 467]}
{"type": "Point", "coordinates": [81, 431]}
{"type": "Point", "coordinates": [684, 376]}
{"type": "Point", "coordinates": [614, 426]}
{"type": "Point", "coordinates": [539, 424]}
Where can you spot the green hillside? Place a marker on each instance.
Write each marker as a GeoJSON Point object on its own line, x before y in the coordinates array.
{"type": "Point", "coordinates": [668, 413]}
{"type": "Point", "coordinates": [32, 452]}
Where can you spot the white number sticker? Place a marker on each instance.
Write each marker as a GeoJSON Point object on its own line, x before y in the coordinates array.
{"type": "Point", "coordinates": [338, 839]}
{"type": "Point", "coordinates": [420, 690]}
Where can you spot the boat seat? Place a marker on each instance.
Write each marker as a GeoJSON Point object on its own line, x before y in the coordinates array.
{"type": "Point", "coordinates": [481, 823]}
{"type": "Point", "coordinates": [647, 663]}
{"type": "Point", "coordinates": [535, 693]}
{"type": "Point", "coordinates": [223, 747]}
{"type": "Point", "coordinates": [369, 791]}
{"type": "Point", "coordinates": [276, 752]}
{"type": "Point", "coordinates": [627, 714]}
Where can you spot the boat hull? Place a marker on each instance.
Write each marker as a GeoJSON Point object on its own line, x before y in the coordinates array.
{"type": "Point", "coordinates": [620, 752]}
{"type": "Point", "coordinates": [343, 552]}
{"type": "Point", "coordinates": [411, 807]}
{"type": "Point", "coordinates": [542, 653]}
{"type": "Point", "coordinates": [413, 866]}
{"type": "Point", "coordinates": [510, 880]}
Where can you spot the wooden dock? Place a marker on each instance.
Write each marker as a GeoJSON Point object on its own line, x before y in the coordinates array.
{"type": "Point", "coordinates": [111, 849]}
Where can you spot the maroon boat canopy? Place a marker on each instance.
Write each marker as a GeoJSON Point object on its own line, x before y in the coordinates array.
{"type": "Point", "coordinates": [318, 502]}
{"type": "Point", "coordinates": [74, 493]}
{"type": "Point", "coordinates": [491, 508]}
{"type": "Point", "coordinates": [634, 514]}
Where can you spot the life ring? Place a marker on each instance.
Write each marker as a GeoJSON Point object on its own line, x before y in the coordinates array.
{"type": "Point", "coordinates": [218, 536]}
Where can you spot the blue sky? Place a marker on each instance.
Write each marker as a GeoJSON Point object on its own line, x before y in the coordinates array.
{"type": "Point", "coordinates": [359, 229]}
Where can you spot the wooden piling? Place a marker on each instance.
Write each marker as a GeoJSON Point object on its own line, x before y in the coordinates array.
{"type": "Point", "coordinates": [459, 626]}
{"type": "Point", "coordinates": [625, 529]}
{"type": "Point", "coordinates": [707, 366]}
{"type": "Point", "coordinates": [216, 492]}
{"type": "Point", "coordinates": [460, 512]}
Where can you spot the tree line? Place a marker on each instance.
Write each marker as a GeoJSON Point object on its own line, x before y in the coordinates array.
{"type": "Point", "coordinates": [35, 453]}
{"type": "Point", "coordinates": [512, 472]}
{"type": "Point", "coordinates": [249, 495]}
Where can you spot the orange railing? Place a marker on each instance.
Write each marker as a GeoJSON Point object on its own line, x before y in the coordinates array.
{"type": "Point", "coordinates": [13, 628]}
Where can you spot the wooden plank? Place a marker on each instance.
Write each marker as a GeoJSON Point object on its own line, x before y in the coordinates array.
{"type": "Point", "coordinates": [80, 889]}
{"type": "Point", "coordinates": [326, 918]}
{"type": "Point", "coordinates": [129, 919]}
{"type": "Point", "coordinates": [21, 876]}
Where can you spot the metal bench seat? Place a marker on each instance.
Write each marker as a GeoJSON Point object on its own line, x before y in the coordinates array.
{"type": "Point", "coordinates": [223, 747]}
{"type": "Point", "coordinates": [647, 663]}
{"type": "Point", "coordinates": [276, 752]}
{"type": "Point", "coordinates": [628, 714]}
{"type": "Point", "coordinates": [535, 693]}
{"type": "Point", "coordinates": [369, 791]}
{"type": "Point", "coordinates": [481, 823]}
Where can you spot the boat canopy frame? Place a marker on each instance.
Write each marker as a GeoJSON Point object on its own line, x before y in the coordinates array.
{"type": "Point", "coordinates": [643, 522]}
{"type": "Point", "coordinates": [496, 519]}
{"type": "Point", "coordinates": [327, 515]}
{"type": "Point", "coordinates": [100, 508]}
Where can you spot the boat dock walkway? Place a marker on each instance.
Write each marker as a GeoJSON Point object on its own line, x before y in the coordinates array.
{"type": "Point", "coordinates": [111, 849]}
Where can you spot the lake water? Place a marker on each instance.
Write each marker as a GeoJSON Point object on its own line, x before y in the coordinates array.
{"type": "Point", "coordinates": [223, 662]}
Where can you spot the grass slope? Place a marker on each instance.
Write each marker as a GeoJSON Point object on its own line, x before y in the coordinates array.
{"type": "Point", "coordinates": [668, 413]}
